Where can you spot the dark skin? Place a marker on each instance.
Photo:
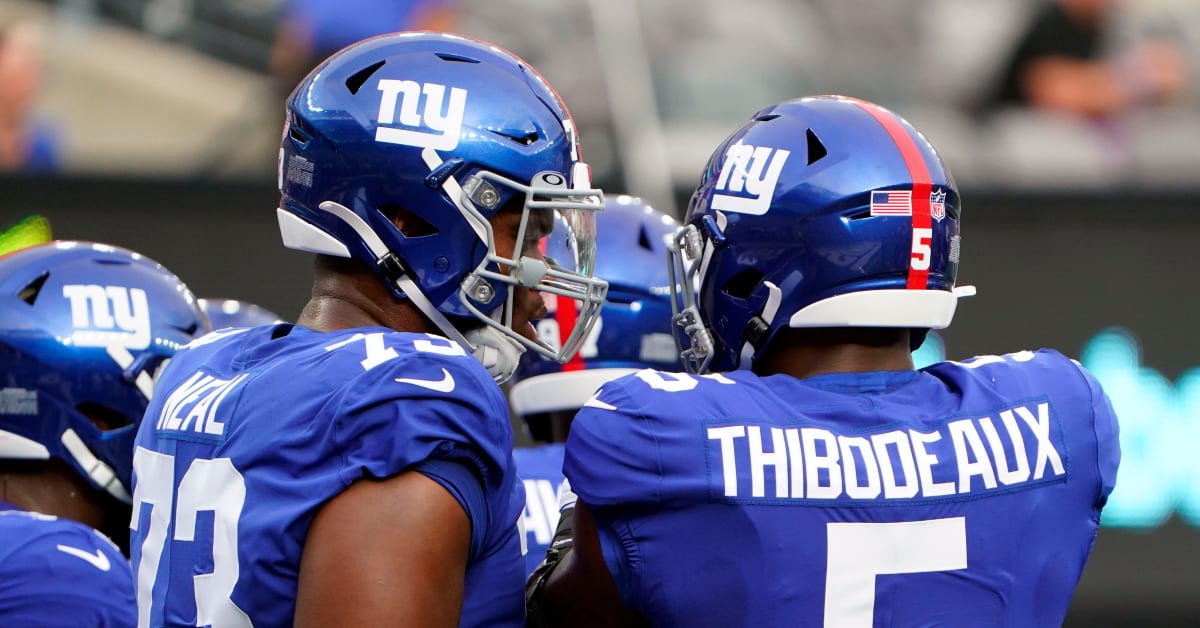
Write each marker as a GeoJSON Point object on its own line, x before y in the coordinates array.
{"type": "Point", "coordinates": [394, 551]}
{"type": "Point", "coordinates": [53, 488]}
{"type": "Point", "coordinates": [581, 591]}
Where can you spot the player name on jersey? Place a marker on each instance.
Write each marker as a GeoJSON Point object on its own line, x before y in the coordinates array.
{"type": "Point", "coordinates": [192, 407]}
{"type": "Point", "coordinates": [1014, 448]}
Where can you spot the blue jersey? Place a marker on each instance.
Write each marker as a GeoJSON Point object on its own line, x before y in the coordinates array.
{"type": "Point", "coordinates": [964, 494]}
{"type": "Point", "coordinates": [57, 572]}
{"type": "Point", "coordinates": [249, 434]}
{"type": "Point", "coordinates": [540, 469]}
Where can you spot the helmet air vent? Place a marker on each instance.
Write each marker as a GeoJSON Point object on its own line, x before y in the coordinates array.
{"type": "Point", "coordinates": [743, 283]}
{"type": "Point", "coordinates": [644, 239]}
{"type": "Point", "coordinates": [408, 222]}
{"type": "Point", "coordinates": [816, 150]}
{"type": "Point", "coordinates": [30, 292]}
{"type": "Point", "coordinates": [296, 131]}
{"type": "Point", "coordinates": [766, 117]}
{"type": "Point", "coordinates": [102, 416]}
{"type": "Point", "coordinates": [449, 56]}
{"type": "Point", "coordinates": [522, 138]}
{"type": "Point", "coordinates": [356, 80]}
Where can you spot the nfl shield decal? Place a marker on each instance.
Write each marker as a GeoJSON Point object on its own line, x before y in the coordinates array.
{"type": "Point", "coordinates": [937, 204]}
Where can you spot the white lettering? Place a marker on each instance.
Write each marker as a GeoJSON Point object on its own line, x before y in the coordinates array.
{"type": "Point", "coordinates": [193, 406]}
{"type": "Point", "coordinates": [848, 445]}
{"type": "Point", "coordinates": [973, 462]}
{"type": "Point", "coordinates": [728, 464]}
{"type": "Point", "coordinates": [446, 125]}
{"type": "Point", "coordinates": [541, 512]}
{"type": "Point", "coordinates": [891, 489]}
{"type": "Point", "coordinates": [107, 315]}
{"type": "Point", "coordinates": [796, 458]}
{"type": "Point", "coordinates": [746, 170]}
{"type": "Point", "coordinates": [814, 463]}
{"type": "Point", "coordinates": [1041, 430]}
{"type": "Point", "coordinates": [818, 463]}
{"type": "Point", "coordinates": [777, 458]}
{"type": "Point", "coordinates": [925, 462]}
{"type": "Point", "coordinates": [1007, 476]}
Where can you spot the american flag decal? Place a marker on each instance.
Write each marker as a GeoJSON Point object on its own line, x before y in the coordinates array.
{"type": "Point", "coordinates": [891, 203]}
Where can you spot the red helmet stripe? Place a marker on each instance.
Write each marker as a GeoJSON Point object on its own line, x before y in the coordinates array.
{"type": "Point", "coordinates": [922, 220]}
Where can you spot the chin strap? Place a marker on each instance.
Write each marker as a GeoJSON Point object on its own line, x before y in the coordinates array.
{"type": "Point", "coordinates": [498, 353]}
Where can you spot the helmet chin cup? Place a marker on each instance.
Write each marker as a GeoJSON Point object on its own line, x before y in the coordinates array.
{"type": "Point", "coordinates": [497, 352]}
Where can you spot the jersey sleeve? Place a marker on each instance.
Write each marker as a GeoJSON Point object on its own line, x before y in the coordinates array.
{"type": "Point", "coordinates": [612, 452]}
{"type": "Point", "coordinates": [423, 411]}
{"type": "Point", "coordinates": [1108, 454]}
{"type": "Point", "coordinates": [61, 573]}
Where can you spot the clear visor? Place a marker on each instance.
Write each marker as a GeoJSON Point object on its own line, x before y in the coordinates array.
{"type": "Point", "coordinates": [556, 258]}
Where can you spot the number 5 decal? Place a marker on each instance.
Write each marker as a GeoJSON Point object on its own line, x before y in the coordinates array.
{"type": "Point", "coordinates": [208, 485]}
{"type": "Point", "coordinates": [860, 551]}
{"type": "Point", "coordinates": [922, 247]}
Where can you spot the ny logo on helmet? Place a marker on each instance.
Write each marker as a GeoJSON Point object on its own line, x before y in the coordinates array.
{"type": "Point", "coordinates": [749, 174]}
{"type": "Point", "coordinates": [446, 127]}
{"type": "Point", "coordinates": [107, 315]}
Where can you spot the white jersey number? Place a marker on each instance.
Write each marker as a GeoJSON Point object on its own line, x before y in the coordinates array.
{"type": "Point", "coordinates": [857, 552]}
{"type": "Point", "coordinates": [208, 485]}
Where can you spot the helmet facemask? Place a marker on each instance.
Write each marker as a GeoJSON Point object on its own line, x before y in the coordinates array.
{"type": "Point", "coordinates": [689, 254]}
{"type": "Point", "coordinates": [568, 273]}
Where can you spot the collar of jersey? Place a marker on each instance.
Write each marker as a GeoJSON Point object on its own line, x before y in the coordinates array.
{"type": "Point", "coordinates": [9, 506]}
{"type": "Point", "coordinates": [870, 382]}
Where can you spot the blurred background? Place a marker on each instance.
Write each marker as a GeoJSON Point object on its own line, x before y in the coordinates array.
{"type": "Point", "coordinates": [1073, 127]}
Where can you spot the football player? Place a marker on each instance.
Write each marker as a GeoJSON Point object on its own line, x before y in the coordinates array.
{"type": "Point", "coordinates": [803, 473]}
{"type": "Point", "coordinates": [356, 468]}
{"type": "Point", "coordinates": [224, 313]}
{"type": "Point", "coordinates": [633, 332]}
{"type": "Point", "coordinates": [83, 329]}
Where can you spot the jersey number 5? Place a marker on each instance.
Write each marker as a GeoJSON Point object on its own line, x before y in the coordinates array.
{"type": "Point", "coordinates": [857, 552]}
{"type": "Point", "coordinates": [208, 485]}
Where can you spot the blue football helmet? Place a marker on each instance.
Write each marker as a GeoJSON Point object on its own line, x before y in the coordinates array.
{"type": "Point", "coordinates": [84, 329]}
{"type": "Point", "coordinates": [440, 133]}
{"type": "Point", "coordinates": [634, 330]}
{"type": "Point", "coordinates": [224, 313]}
{"type": "Point", "coordinates": [818, 212]}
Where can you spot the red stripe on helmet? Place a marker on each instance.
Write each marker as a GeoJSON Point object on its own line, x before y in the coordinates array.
{"type": "Point", "coordinates": [567, 317]}
{"type": "Point", "coordinates": [922, 220]}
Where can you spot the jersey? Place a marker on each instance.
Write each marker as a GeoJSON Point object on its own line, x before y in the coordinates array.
{"type": "Point", "coordinates": [251, 431]}
{"type": "Point", "coordinates": [540, 469]}
{"type": "Point", "coordinates": [964, 494]}
{"type": "Point", "coordinates": [57, 572]}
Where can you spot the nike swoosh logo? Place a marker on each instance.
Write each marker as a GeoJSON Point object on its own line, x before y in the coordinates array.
{"type": "Point", "coordinates": [444, 385]}
{"type": "Point", "coordinates": [97, 560]}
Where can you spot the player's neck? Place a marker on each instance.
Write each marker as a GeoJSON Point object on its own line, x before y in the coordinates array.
{"type": "Point", "coordinates": [347, 295]}
{"type": "Point", "coordinates": [810, 352]}
{"type": "Point", "coordinates": [52, 493]}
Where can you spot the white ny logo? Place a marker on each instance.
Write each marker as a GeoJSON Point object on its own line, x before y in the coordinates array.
{"type": "Point", "coordinates": [749, 170]}
{"type": "Point", "coordinates": [105, 315]}
{"type": "Point", "coordinates": [447, 127]}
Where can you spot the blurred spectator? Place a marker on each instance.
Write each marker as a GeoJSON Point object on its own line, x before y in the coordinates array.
{"type": "Point", "coordinates": [311, 30]}
{"type": "Point", "coordinates": [26, 144]}
{"type": "Point", "coordinates": [1060, 64]}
